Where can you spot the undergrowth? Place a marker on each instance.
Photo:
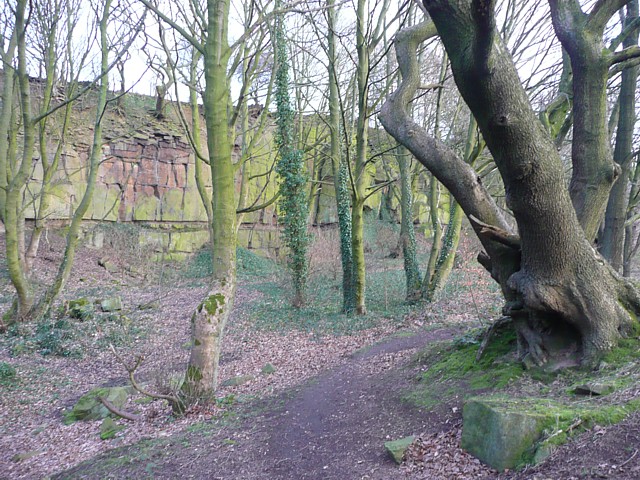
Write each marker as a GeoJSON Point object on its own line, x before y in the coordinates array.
{"type": "Point", "coordinates": [73, 333]}
{"type": "Point", "coordinates": [322, 311]}
{"type": "Point", "coordinates": [8, 374]}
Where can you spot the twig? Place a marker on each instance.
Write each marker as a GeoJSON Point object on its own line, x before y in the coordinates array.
{"type": "Point", "coordinates": [120, 413]}
{"type": "Point", "coordinates": [628, 459]}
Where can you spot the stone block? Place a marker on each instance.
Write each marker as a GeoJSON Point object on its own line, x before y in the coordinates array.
{"type": "Point", "coordinates": [396, 448]}
{"type": "Point", "coordinates": [502, 433]}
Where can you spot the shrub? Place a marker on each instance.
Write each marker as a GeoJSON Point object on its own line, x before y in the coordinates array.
{"type": "Point", "coordinates": [8, 374]}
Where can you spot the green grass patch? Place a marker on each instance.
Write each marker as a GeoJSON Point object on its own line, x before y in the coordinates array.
{"type": "Point", "coordinates": [322, 312]}
{"type": "Point", "coordinates": [628, 350]}
{"type": "Point", "coordinates": [249, 265]}
{"type": "Point", "coordinates": [8, 374]}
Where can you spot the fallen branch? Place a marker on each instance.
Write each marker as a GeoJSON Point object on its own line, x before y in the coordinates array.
{"type": "Point", "coordinates": [174, 400]}
{"type": "Point", "coordinates": [120, 413]}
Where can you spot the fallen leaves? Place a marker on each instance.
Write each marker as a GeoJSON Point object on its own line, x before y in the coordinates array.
{"type": "Point", "coordinates": [439, 456]}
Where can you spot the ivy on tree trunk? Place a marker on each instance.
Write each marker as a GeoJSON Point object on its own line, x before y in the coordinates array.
{"type": "Point", "coordinates": [291, 169]}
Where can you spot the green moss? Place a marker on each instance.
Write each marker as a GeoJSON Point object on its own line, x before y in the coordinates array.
{"type": "Point", "coordinates": [459, 359]}
{"type": "Point", "coordinates": [454, 363]}
{"type": "Point", "coordinates": [628, 349]}
{"type": "Point", "coordinates": [8, 374]}
{"type": "Point", "coordinates": [214, 303]}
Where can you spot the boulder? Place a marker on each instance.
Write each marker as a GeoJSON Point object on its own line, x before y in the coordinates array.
{"type": "Point", "coordinates": [396, 448]}
{"type": "Point", "coordinates": [81, 309]}
{"type": "Point", "coordinates": [89, 407]}
{"type": "Point", "coordinates": [108, 265]}
{"type": "Point", "coordinates": [502, 433]}
{"type": "Point", "coordinates": [594, 389]}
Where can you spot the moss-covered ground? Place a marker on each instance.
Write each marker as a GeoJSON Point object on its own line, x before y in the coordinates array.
{"type": "Point", "coordinates": [574, 399]}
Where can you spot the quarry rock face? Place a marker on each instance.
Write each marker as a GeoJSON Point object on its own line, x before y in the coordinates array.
{"type": "Point", "coordinates": [148, 177]}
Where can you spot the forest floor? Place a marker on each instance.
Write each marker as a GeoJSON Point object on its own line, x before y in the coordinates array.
{"type": "Point", "coordinates": [341, 387]}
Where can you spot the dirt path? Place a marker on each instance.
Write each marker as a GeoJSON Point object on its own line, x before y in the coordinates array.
{"type": "Point", "coordinates": [334, 427]}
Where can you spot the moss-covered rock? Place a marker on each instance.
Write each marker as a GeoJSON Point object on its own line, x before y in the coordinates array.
{"type": "Point", "coordinates": [108, 265]}
{"type": "Point", "coordinates": [81, 309]}
{"type": "Point", "coordinates": [21, 457]}
{"type": "Point", "coordinates": [396, 448]}
{"type": "Point", "coordinates": [268, 369]}
{"type": "Point", "coordinates": [89, 407]}
{"type": "Point", "coordinates": [507, 432]}
{"type": "Point", "coordinates": [594, 388]}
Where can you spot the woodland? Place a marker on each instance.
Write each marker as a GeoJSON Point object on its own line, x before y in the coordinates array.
{"type": "Point", "coordinates": [319, 239]}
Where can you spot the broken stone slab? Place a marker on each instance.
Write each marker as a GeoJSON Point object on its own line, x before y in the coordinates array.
{"type": "Point", "coordinates": [89, 407]}
{"type": "Point", "coordinates": [21, 457]}
{"type": "Point", "coordinates": [237, 381]}
{"type": "Point", "coordinates": [108, 265]}
{"type": "Point", "coordinates": [594, 389]}
{"type": "Point", "coordinates": [501, 433]}
{"type": "Point", "coordinates": [113, 304]}
{"type": "Point", "coordinates": [396, 448]}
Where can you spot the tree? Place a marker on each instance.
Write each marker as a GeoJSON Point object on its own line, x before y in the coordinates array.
{"type": "Point", "coordinates": [339, 165]}
{"type": "Point", "coordinates": [221, 116]}
{"type": "Point", "coordinates": [555, 284]}
{"type": "Point", "coordinates": [612, 243]}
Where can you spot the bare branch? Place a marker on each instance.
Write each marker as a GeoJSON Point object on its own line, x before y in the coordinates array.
{"type": "Point", "coordinates": [624, 55]}
{"type": "Point", "coordinates": [131, 370]}
{"type": "Point", "coordinates": [498, 234]}
{"type": "Point", "coordinates": [190, 38]}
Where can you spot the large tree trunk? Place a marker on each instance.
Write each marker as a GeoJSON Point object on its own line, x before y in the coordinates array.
{"type": "Point", "coordinates": [552, 279]}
